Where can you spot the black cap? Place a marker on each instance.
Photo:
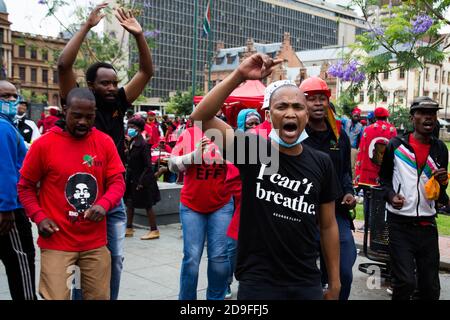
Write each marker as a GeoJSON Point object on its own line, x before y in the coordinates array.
{"type": "Point", "coordinates": [424, 103]}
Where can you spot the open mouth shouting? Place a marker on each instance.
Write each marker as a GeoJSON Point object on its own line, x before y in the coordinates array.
{"type": "Point", "coordinates": [428, 125]}
{"type": "Point", "coordinates": [289, 131]}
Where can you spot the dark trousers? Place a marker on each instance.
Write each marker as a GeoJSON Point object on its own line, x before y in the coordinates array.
{"type": "Point", "coordinates": [414, 253]}
{"type": "Point", "coordinates": [347, 258]}
{"type": "Point", "coordinates": [17, 254]}
{"type": "Point", "coordinates": [268, 292]}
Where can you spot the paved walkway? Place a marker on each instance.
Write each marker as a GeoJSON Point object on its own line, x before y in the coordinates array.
{"type": "Point", "coordinates": [444, 245]}
{"type": "Point", "coordinates": [152, 270]}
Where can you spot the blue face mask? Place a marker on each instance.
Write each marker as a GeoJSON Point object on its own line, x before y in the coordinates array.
{"type": "Point", "coordinates": [274, 136]}
{"type": "Point", "coordinates": [132, 132]}
{"type": "Point", "coordinates": [9, 108]}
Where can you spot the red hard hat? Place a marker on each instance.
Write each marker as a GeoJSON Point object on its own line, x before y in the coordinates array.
{"type": "Point", "coordinates": [315, 85]}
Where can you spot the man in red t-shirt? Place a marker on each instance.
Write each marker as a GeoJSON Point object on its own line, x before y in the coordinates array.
{"type": "Point", "coordinates": [80, 175]}
{"type": "Point", "coordinates": [206, 209]}
{"type": "Point", "coordinates": [373, 143]}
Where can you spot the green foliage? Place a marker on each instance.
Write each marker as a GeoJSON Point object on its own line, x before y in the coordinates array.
{"type": "Point", "coordinates": [346, 103]}
{"type": "Point", "coordinates": [100, 47]}
{"type": "Point", "coordinates": [181, 102]}
{"type": "Point", "coordinates": [33, 98]}
{"type": "Point", "coordinates": [400, 117]}
{"type": "Point", "coordinates": [394, 41]}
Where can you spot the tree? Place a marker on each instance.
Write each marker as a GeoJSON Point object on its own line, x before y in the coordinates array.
{"type": "Point", "coordinates": [406, 33]}
{"type": "Point", "coordinates": [400, 117]}
{"type": "Point", "coordinates": [101, 47]}
{"type": "Point", "coordinates": [181, 102]}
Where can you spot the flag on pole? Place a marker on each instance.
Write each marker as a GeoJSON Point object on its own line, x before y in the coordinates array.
{"type": "Point", "coordinates": [207, 21]}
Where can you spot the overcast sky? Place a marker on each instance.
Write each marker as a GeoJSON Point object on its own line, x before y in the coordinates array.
{"type": "Point", "coordinates": [29, 15]}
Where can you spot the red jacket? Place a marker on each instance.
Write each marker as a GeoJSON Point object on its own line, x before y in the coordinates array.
{"type": "Point", "coordinates": [371, 149]}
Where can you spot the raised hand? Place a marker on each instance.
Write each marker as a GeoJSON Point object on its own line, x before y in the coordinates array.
{"type": "Point", "coordinates": [257, 66]}
{"type": "Point", "coordinates": [95, 16]}
{"type": "Point", "coordinates": [128, 21]}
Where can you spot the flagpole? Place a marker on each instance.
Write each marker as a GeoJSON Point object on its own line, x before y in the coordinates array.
{"type": "Point", "coordinates": [194, 62]}
{"type": "Point", "coordinates": [210, 51]}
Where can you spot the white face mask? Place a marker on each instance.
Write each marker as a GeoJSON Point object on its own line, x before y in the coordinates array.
{"type": "Point", "coordinates": [275, 137]}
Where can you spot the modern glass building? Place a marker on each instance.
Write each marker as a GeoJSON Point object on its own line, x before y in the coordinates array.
{"type": "Point", "coordinates": [311, 24]}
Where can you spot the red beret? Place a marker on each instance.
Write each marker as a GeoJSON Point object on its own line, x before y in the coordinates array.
{"type": "Point", "coordinates": [381, 112]}
{"type": "Point", "coordinates": [151, 113]}
{"type": "Point", "coordinates": [356, 110]}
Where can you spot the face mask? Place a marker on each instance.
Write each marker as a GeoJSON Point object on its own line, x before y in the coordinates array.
{"type": "Point", "coordinates": [132, 132]}
{"type": "Point", "coordinates": [274, 136]}
{"type": "Point", "coordinates": [9, 108]}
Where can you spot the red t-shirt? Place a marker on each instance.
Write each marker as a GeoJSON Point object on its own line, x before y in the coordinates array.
{"type": "Point", "coordinates": [73, 175]}
{"type": "Point", "coordinates": [204, 184]}
{"type": "Point", "coordinates": [421, 150]}
{"type": "Point", "coordinates": [152, 132]}
{"type": "Point", "coordinates": [233, 185]}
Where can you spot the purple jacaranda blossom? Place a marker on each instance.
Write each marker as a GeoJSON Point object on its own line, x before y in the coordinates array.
{"type": "Point", "coordinates": [422, 23]}
{"type": "Point", "coordinates": [337, 70]}
{"type": "Point", "coordinates": [359, 77]}
{"type": "Point", "coordinates": [378, 31]}
{"type": "Point", "coordinates": [42, 2]}
{"type": "Point", "coordinates": [152, 34]}
{"type": "Point", "coordinates": [347, 72]}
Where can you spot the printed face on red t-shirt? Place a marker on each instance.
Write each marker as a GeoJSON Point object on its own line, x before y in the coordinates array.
{"type": "Point", "coordinates": [81, 193]}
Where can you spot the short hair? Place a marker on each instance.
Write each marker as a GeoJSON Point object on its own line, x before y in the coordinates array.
{"type": "Point", "coordinates": [91, 72]}
{"type": "Point", "coordinates": [79, 93]}
{"type": "Point", "coordinates": [138, 122]}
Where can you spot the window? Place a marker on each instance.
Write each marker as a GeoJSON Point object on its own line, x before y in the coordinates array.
{"type": "Point", "coordinates": [443, 77]}
{"type": "Point", "coordinates": [361, 96]}
{"type": "Point", "coordinates": [386, 75]}
{"type": "Point", "coordinates": [55, 76]}
{"type": "Point", "coordinates": [45, 76]}
{"type": "Point", "coordinates": [442, 99]}
{"type": "Point", "coordinates": [2, 32]}
{"type": "Point", "coordinates": [385, 96]}
{"type": "Point", "coordinates": [22, 73]}
{"type": "Point", "coordinates": [426, 93]}
{"type": "Point", "coordinates": [44, 55]}
{"type": "Point", "coordinates": [33, 75]}
{"type": "Point", "coordinates": [33, 53]}
{"type": "Point", "coordinates": [436, 75]}
{"type": "Point", "coordinates": [401, 74]}
{"type": "Point", "coordinates": [427, 74]}
{"type": "Point", "coordinates": [400, 95]}
{"type": "Point", "coordinates": [21, 51]}
{"type": "Point", "coordinates": [435, 96]}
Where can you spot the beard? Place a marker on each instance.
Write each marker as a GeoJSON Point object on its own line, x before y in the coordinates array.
{"type": "Point", "coordinates": [104, 104]}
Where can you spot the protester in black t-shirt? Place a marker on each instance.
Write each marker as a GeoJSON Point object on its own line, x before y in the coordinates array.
{"type": "Point", "coordinates": [288, 193]}
{"type": "Point", "coordinates": [324, 134]}
{"type": "Point", "coordinates": [112, 104]}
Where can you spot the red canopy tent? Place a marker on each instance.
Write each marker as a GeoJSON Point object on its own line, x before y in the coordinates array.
{"type": "Point", "coordinates": [249, 94]}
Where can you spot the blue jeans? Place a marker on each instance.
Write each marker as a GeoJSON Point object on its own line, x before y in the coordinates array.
{"type": "Point", "coordinates": [116, 221]}
{"type": "Point", "coordinates": [232, 248]}
{"type": "Point", "coordinates": [116, 224]}
{"type": "Point", "coordinates": [347, 257]}
{"type": "Point", "coordinates": [196, 228]}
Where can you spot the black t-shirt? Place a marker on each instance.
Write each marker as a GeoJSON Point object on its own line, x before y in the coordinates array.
{"type": "Point", "coordinates": [278, 233]}
{"type": "Point", "coordinates": [109, 119]}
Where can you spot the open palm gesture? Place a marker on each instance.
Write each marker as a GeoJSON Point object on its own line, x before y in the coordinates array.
{"type": "Point", "coordinates": [128, 21]}
{"type": "Point", "coordinates": [96, 15]}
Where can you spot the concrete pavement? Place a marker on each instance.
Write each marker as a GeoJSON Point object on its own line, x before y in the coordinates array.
{"type": "Point", "coordinates": [152, 270]}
